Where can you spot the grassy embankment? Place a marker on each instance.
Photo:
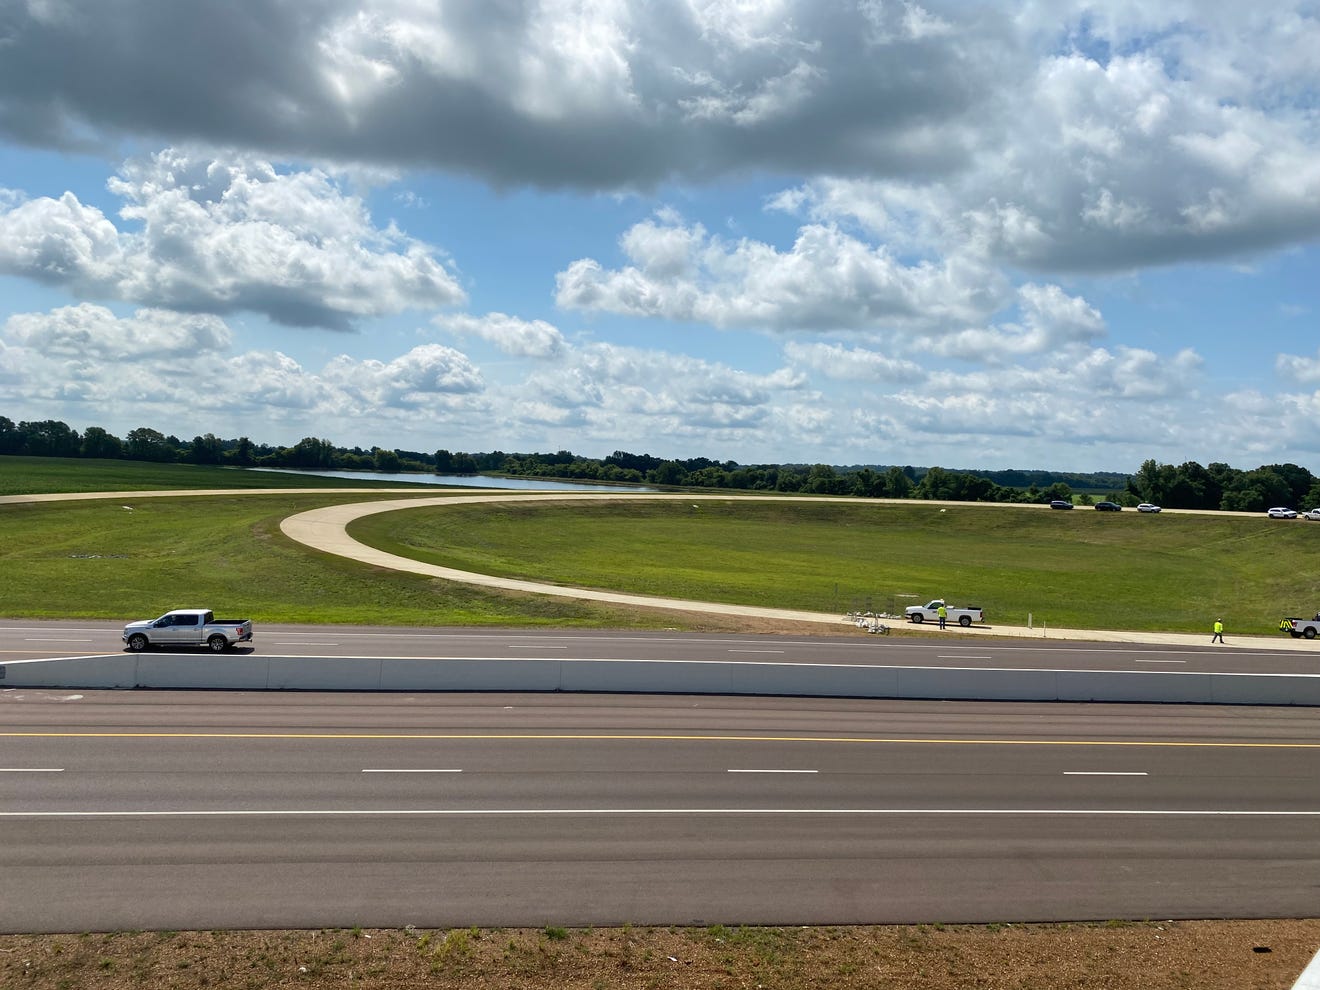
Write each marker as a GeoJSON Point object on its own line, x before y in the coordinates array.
{"type": "Point", "coordinates": [1085, 569]}
{"type": "Point", "coordinates": [1081, 569]}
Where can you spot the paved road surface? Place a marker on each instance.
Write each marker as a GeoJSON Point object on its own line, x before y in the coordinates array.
{"type": "Point", "coordinates": [21, 639]}
{"type": "Point", "coordinates": [203, 810]}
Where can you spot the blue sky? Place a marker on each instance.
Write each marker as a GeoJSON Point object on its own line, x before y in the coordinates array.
{"type": "Point", "coordinates": [1069, 235]}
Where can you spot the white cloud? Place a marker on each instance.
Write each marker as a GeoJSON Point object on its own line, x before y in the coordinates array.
{"type": "Point", "coordinates": [841, 363]}
{"type": "Point", "coordinates": [1298, 369]}
{"type": "Point", "coordinates": [829, 280]}
{"type": "Point", "coordinates": [412, 379]}
{"type": "Point", "coordinates": [523, 338]}
{"type": "Point", "coordinates": [224, 236]}
{"type": "Point", "coordinates": [94, 332]}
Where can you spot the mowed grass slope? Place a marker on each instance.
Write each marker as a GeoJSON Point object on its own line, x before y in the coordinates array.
{"type": "Point", "coordinates": [1174, 571]}
{"type": "Point", "coordinates": [1086, 569]}
{"type": "Point", "coordinates": [37, 475]}
{"type": "Point", "coordinates": [136, 558]}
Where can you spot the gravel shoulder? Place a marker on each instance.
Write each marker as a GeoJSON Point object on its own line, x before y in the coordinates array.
{"type": "Point", "coordinates": [1205, 955]}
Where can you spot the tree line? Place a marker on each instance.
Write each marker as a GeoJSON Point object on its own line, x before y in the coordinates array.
{"type": "Point", "coordinates": [1185, 486]}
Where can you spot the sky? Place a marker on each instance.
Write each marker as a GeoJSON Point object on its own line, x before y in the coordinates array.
{"type": "Point", "coordinates": [1051, 234]}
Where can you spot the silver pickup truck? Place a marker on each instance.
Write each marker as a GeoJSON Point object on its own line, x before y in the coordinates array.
{"type": "Point", "coordinates": [188, 627]}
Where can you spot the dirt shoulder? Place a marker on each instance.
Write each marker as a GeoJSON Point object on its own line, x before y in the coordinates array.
{"type": "Point", "coordinates": [1204, 955]}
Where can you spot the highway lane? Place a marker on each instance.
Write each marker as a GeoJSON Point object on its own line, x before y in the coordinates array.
{"type": "Point", "coordinates": [30, 640]}
{"type": "Point", "coordinates": [215, 809]}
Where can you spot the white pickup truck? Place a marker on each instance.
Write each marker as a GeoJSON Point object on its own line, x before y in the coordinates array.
{"type": "Point", "coordinates": [931, 610]}
{"type": "Point", "coordinates": [188, 627]}
{"type": "Point", "coordinates": [1308, 628]}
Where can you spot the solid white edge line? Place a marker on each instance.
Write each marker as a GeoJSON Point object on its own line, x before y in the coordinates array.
{"type": "Point", "coordinates": [391, 770]}
{"type": "Point", "coordinates": [549, 812]}
{"type": "Point", "coordinates": [772, 771]}
{"type": "Point", "coordinates": [31, 769]}
{"type": "Point", "coordinates": [1105, 773]}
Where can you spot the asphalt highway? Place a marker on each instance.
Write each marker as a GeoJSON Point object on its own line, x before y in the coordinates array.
{"type": "Point", "coordinates": [182, 810]}
{"type": "Point", "coordinates": [902, 647]}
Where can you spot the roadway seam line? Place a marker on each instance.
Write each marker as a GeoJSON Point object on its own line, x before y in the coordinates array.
{"type": "Point", "coordinates": [590, 737]}
{"type": "Point", "coordinates": [553, 812]}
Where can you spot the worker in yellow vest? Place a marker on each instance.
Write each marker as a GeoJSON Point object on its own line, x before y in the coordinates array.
{"type": "Point", "coordinates": [943, 612]}
{"type": "Point", "coordinates": [1219, 631]}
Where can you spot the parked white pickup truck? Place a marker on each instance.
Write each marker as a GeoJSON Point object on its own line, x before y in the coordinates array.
{"type": "Point", "coordinates": [1309, 628]}
{"type": "Point", "coordinates": [188, 627]}
{"type": "Point", "coordinates": [931, 610]}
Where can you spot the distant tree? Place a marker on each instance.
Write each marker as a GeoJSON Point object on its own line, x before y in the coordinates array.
{"type": "Point", "coordinates": [146, 444]}
{"type": "Point", "coordinates": [897, 483]}
{"type": "Point", "coordinates": [444, 462]}
{"type": "Point", "coordinates": [824, 480]}
{"type": "Point", "coordinates": [1256, 491]}
{"type": "Point", "coordinates": [309, 452]}
{"type": "Point", "coordinates": [667, 473]}
{"type": "Point", "coordinates": [205, 450]}
{"type": "Point", "coordinates": [934, 484]}
{"type": "Point", "coordinates": [243, 453]}
{"type": "Point", "coordinates": [385, 460]}
{"type": "Point", "coordinates": [1298, 479]}
{"type": "Point", "coordinates": [1058, 491]}
{"type": "Point", "coordinates": [96, 442]}
{"type": "Point", "coordinates": [49, 438]}
{"type": "Point", "coordinates": [11, 441]}
{"type": "Point", "coordinates": [1312, 499]}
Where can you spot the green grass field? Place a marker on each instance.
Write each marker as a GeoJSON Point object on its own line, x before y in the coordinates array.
{"type": "Point", "coordinates": [137, 557]}
{"type": "Point", "coordinates": [1083, 569]}
{"type": "Point", "coordinates": [34, 475]}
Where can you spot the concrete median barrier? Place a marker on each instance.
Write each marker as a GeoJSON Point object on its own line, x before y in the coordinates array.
{"type": "Point", "coordinates": [194, 672]}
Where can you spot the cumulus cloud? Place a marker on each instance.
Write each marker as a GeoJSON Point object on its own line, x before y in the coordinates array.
{"type": "Point", "coordinates": [1051, 321]}
{"type": "Point", "coordinates": [547, 91]}
{"type": "Point", "coordinates": [94, 332]}
{"type": "Point", "coordinates": [842, 363]}
{"type": "Point", "coordinates": [614, 394]}
{"type": "Point", "coordinates": [1299, 369]}
{"type": "Point", "coordinates": [206, 234]}
{"type": "Point", "coordinates": [828, 280]}
{"type": "Point", "coordinates": [522, 338]}
{"type": "Point", "coordinates": [413, 379]}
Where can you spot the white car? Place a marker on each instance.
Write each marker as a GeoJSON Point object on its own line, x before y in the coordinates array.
{"type": "Point", "coordinates": [1148, 507]}
{"type": "Point", "coordinates": [1312, 514]}
{"type": "Point", "coordinates": [1279, 512]}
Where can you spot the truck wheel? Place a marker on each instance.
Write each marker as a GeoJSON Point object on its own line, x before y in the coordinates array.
{"type": "Point", "coordinates": [964, 621]}
{"type": "Point", "coordinates": [217, 644]}
{"type": "Point", "coordinates": [1309, 632]}
{"type": "Point", "coordinates": [137, 642]}
{"type": "Point", "coordinates": [918, 618]}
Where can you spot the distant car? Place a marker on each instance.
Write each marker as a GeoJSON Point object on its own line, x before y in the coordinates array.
{"type": "Point", "coordinates": [1148, 507]}
{"type": "Point", "coordinates": [1280, 512]}
{"type": "Point", "coordinates": [1108, 507]}
{"type": "Point", "coordinates": [1312, 514]}
{"type": "Point", "coordinates": [1061, 503]}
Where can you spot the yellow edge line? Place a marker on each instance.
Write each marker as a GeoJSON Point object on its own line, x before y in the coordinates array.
{"type": "Point", "coordinates": [655, 738]}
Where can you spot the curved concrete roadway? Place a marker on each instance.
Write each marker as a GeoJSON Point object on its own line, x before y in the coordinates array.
{"type": "Point", "coordinates": [325, 529]}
